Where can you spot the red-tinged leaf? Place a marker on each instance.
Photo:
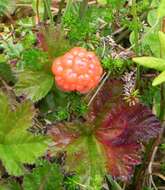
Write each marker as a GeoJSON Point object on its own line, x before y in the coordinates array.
{"type": "Point", "coordinates": [84, 154]}
{"type": "Point", "coordinates": [121, 160]}
{"type": "Point", "coordinates": [120, 133]}
{"type": "Point", "coordinates": [125, 124]}
{"type": "Point", "coordinates": [63, 135]}
{"type": "Point", "coordinates": [109, 95]}
{"type": "Point", "coordinates": [113, 126]}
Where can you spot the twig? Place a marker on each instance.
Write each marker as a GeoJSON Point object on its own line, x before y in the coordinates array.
{"type": "Point", "coordinates": [159, 175]}
{"type": "Point", "coordinates": [118, 31]}
{"type": "Point", "coordinates": [90, 92]}
{"type": "Point", "coordinates": [99, 88]}
{"type": "Point", "coordinates": [37, 12]}
{"type": "Point", "coordinates": [155, 148]}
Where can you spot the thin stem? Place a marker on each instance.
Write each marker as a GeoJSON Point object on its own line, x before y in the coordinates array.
{"type": "Point", "coordinates": [99, 88]}
{"type": "Point", "coordinates": [83, 8]}
{"type": "Point", "coordinates": [162, 89]}
{"type": "Point", "coordinates": [162, 102]}
{"type": "Point", "coordinates": [62, 3]}
{"type": "Point", "coordinates": [37, 11]}
{"type": "Point", "coordinates": [136, 34]}
{"type": "Point", "coordinates": [163, 25]}
{"type": "Point", "coordinates": [48, 12]}
{"type": "Point", "coordinates": [135, 21]}
{"type": "Point", "coordinates": [68, 6]}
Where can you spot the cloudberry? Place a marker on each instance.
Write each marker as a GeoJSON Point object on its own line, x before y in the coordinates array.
{"type": "Point", "coordinates": [77, 70]}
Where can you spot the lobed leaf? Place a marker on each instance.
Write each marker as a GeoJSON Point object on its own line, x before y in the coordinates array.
{"type": "Point", "coordinates": [17, 145]}
{"type": "Point", "coordinates": [47, 176]}
{"type": "Point", "coordinates": [34, 84]}
{"type": "Point", "coordinates": [63, 135]}
{"type": "Point", "coordinates": [80, 148]}
{"type": "Point", "coordinates": [109, 94]}
{"type": "Point", "coordinates": [86, 158]}
{"type": "Point", "coordinates": [10, 185]}
{"type": "Point", "coordinates": [125, 125]}
{"type": "Point", "coordinates": [5, 72]}
{"type": "Point", "coordinates": [110, 138]}
{"type": "Point", "coordinates": [121, 132]}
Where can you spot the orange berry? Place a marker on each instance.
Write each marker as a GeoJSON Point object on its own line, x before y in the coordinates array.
{"type": "Point", "coordinates": [77, 70]}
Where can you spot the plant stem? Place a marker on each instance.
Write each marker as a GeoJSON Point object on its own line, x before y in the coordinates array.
{"type": "Point", "coordinates": [163, 25]}
{"type": "Point", "coordinates": [99, 88]}
{"type": "Point", "coordinates": [48, 13]}
{"type": "Point", "coordinates": [62, 3]}
{"type": "Point", "coordinates": [37, 11]}
{"type": "Point", "coordinates": [68, 6]}
{"type": "Point", "coordinates": [162, 102]}
{"type": "Point", "coordinates": [83, 8]}
{"type": "Point", "coordinates": [162, 89]}
{"type": "Point", "coordinates": [136, 35]}
{"type": "Point", "coordinates": [135, 21]}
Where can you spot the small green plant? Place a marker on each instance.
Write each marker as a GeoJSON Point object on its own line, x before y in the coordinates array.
{"type": "Point", "coordinates": [155, 63]}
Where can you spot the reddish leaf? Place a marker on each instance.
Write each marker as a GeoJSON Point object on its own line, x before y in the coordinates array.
{"type": "Point", "coordinates": [109, 94]}
{"type": "Point", "coordinates": [63, 135]}
{"type": "Point", "coordinates": [121, 160]}
{"type": "Point", "coordinates": [118, 129]}
{"type": "Point", "coordinates": [120, 133]}
{"type": "Point", "coordinates": [125, 124]}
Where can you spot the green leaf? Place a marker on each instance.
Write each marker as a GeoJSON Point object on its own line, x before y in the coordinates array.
{"type": "Point", "coordinates": [161, 8]}
{"type": "Point", "coordinates": [10, 185]}
{"type": "Point", "coordinates": [84, 148]}
{"type": "Point", "coordinates": [102, 2]}
{"type": "Point", "coordinates": [17, 145]}
{"type": "Point", "coordinates": [151, 42]}
{"type": "Point", "coordinates": [160, 79]}
{"type": "Point", "coordinates": [34, 84]}
{"type": "Point", "coordinates": [88, 150]}
{"type": "Point", "coordinates": [47, 177]}
{"type": "Point", "coordinates": [115, 185]}
{"type": "Point", "coordinates": [151, 62]}
{"type": "Point", "coordinates": [12, 50]}
{"type": "Point", "coordinates": [162, 44]}
{"type": "Point", "coordinates": [5, 72]}
{"type": "Point", "coordinates": [7, 6]}
{"type": "Point", "coordinates": [152, 17]}
{"type": "Point", "coordinates": [29, 39]}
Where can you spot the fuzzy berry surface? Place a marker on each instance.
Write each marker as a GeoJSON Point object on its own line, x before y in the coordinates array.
{"type": "Point", "coordinates": [77, 70]}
